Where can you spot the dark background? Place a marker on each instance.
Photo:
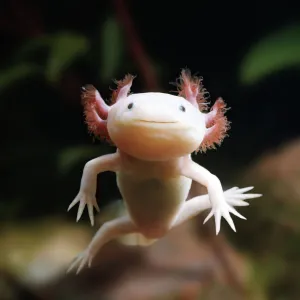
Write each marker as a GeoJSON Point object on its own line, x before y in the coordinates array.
{"type": "Point", "coordinates": [49, 49]}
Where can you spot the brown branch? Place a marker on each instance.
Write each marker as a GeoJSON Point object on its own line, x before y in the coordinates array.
{"type": "Point", "coordinates": [135, 46]}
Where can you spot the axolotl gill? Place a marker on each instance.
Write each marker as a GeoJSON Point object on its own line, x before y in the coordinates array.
{"type": "Point", "coordinates": [155, 135]}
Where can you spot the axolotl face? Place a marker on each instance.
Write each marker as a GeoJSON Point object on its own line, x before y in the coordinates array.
{"type": "Point", "coordinates": [155, 126]}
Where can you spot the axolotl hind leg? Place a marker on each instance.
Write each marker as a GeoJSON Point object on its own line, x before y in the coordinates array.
{"type": "Point", "coordinates": [196, 205]}
{"type": "Point", "coordinates": [107, 232]}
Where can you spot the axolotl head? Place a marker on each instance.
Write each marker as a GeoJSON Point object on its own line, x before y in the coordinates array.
{"type": "Point", "coordinates": [156, 126]}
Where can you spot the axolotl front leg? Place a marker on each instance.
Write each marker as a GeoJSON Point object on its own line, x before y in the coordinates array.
{"type": "Point", "coordinates": [219, 205]}
{"type": "Point", "coordinates": [88, 186]}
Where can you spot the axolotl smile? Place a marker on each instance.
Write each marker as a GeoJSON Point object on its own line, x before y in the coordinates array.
{"type": "Point", "coordinates": [148, 121]}
{"type": "Point", "coordinates": [159, 124]}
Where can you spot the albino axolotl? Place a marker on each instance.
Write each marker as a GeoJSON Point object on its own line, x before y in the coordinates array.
{"type": "Point", "coordinates": [155, 135]}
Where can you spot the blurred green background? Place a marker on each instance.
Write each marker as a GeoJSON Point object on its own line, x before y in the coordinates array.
{"type": "Point", "coordinates": [247, 52]}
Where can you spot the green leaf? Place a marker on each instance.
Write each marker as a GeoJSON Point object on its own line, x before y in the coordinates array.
{"type": "Point", "coordinates": [9, 77]}
{"type": "Point", "coordinates": [112, 49]}
{"type": "Point", "coordinates": [71, 156]}
{"type": "Point", "coordinates": [273, 53]}
{"type": "Point", "coordinates": [64, 50]}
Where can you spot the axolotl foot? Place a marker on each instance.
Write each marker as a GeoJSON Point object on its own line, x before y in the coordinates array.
{"type": "Point", "coordinates": [233, 197]}
{"type": "Point", "coordinates": [85, 199]}
{"type": "Point", "coordinates": [224, 209]}
{"type": "Point", "coordinates": [81, 260]}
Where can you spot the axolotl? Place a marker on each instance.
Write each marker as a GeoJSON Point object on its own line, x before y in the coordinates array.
{"type": "Point", "coordinates": [155, 134]}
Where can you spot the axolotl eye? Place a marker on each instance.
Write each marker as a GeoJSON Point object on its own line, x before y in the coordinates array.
{"type": "Point", "coordinates": [182, 108]}
{"type": "Point", "coordinates": [130, 105]}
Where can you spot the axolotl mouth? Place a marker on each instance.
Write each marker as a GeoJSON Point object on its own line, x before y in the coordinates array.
{"type": "Point", "coordinates": [157, 122]}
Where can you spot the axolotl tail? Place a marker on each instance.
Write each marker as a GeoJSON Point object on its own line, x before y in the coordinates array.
{"type": "Point", "coordinates": [136, 239]}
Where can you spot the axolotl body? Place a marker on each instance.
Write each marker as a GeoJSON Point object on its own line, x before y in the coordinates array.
{"type": "Point", "coordinates": [155, 135]}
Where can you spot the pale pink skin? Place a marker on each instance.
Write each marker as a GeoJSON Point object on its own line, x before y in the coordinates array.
{"type": "Point", "coordinates": [154, 140]}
